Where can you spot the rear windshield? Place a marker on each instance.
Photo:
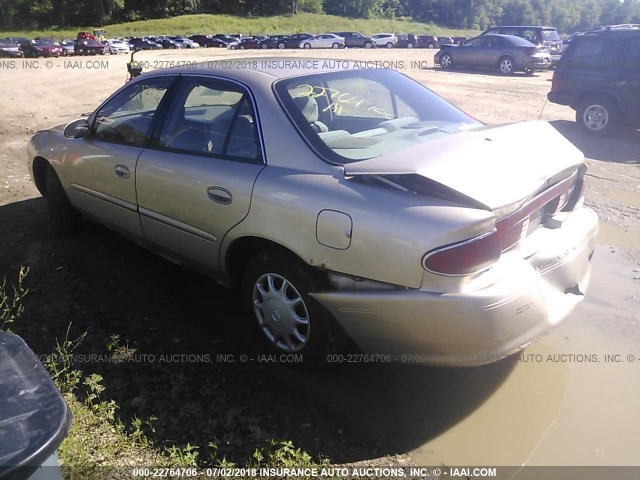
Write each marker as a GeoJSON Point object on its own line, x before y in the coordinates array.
{"type": "Point", "coordinates": [358, 114]}
{"type": "Point", "coordinates": [593, 53]}
{"type": "Point", "coordinates": [550, 35]}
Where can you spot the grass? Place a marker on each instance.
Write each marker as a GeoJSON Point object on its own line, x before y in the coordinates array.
{"type": "Point", "coordinates": [99, 445]}
{"type": "Point", "coordinates": [210, 24]}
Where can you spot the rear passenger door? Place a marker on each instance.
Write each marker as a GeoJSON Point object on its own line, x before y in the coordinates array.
{"type": "Point", "coordinates": [195, 183]}
{"type": "Point", "coordinates": [630, 80]}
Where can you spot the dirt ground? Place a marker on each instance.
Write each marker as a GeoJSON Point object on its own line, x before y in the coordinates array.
{"type": "Point", "coordinates": [104, 285]}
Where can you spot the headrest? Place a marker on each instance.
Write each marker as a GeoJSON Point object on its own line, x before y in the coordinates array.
{"type": "Point", "coordinates": [309, 108]}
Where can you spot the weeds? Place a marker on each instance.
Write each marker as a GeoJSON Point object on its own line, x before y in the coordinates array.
{"type": "Point", "coordinates": [11, 306]}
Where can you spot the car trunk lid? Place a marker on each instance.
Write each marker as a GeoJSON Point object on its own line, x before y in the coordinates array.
{"type": "Point", "coordinates": [501, 167]}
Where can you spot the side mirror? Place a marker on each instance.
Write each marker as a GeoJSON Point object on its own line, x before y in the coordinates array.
{"type": "Point", "coordinates": [77, 128]}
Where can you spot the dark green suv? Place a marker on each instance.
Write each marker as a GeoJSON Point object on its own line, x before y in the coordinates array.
{"type": "Point", "coordinates": [599, 77]}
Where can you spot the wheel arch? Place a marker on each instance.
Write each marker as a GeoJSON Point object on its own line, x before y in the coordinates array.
{"type": "Point", "coordinates": [585, 94]}
{"type": "Point", "coordinates": [40, 168]}
{"type": "Point", "coordinates": [241, 250]}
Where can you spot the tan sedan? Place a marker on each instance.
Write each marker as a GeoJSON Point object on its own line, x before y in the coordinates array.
{"type": "Point", "coordinates": [343, 202]}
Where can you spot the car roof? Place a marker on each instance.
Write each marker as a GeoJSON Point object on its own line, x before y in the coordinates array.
{"type": "Point", "coordinates": [523, 26]}
{"type": "Point", "coordinates": [275, 67]}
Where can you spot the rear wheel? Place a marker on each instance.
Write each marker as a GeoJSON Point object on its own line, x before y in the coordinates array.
{"type": "Point", "coordinates": [367, 45]}
{"type": "Point", "coordinates": [264, 46]}
{"type": "Point", "coordinates": [431, 45]}
{"type": "Point", "coordinates": [409, 45]}
{"type": "Point", "coordinates": [389, 45]}
{"type": "Point", "coordinates": [242, 47]}
{"type": "Point", "coordinates": [335, 45]}
{"type": "Point", "coordinates": [307, 45]}
{"type": "Point", "coordinates": [506, 65]}
{"type": "Point", "coordinates": [446, 61]}
{"type": "Point", "coordinates": [64, 219]}
{"type": "Point", "coordinates": [276, 290]}
{"type": "Point", "coordinates": [597, 115]}
{"type": "Point", "coordinates": [281, 46]}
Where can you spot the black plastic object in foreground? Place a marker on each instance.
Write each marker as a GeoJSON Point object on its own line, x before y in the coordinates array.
{"type": "Point", "coordinates": [33, 416]}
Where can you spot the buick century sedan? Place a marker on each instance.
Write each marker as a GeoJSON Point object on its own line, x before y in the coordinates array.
{"type": "Point", "coordinates": [343, 202]}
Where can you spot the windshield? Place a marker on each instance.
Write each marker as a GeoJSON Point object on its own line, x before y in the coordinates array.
{"type": "Point", "coordinates": [358, 114]}
{"type": "Point", "coordinates": [42, 43]}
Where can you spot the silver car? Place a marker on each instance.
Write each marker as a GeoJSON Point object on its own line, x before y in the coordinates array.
{"type": "Point", "coordinates": [343, 202]}
{"type": "Point", "coordinates": [507, 53]}
{"type": "Point", "coordinates": [325, 40]}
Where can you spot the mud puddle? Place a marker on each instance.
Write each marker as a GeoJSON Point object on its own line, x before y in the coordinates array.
{"type": "Point", "coordinates": [613, 234]}
{"type": "Point", "coordinates": [571, 398]}
{"type": "Point", "coordinates": [624, 197]}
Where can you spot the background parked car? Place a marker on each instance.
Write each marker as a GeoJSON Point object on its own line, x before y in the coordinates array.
{"type": "Point", "coordinates": [407, 40]}
{"type": "Point", "coordinates": [88, 47]}
{"type": "Point", "coordinates": [249, 42]}
{"type": "Point", "coordinates": [537, 35]}
{"type": "Point", "coordinates": [42, 47]}
{"type": "Point", "coordinates": [293, 41]}
{"type": "Point", "coordinates": [507, 53]}
{"type": "Point", "coordinates": [325, 40]}
{"type": "Point", "coordinates": [459, 39]}
{"type": "Point", "coordinates": [273, 41]}
{"type": "Point", "coordinates": [143, 44]}
{"type": "Point", "coordinates": [8, 48]}
{"type": "Point", "coordinates": [230, 42]}
{"type": "Point", "coordinates": [68, 46]}
{"type": "Point", "coordinates": [169, 44]}
{"type": "Point", "coordinates": [599, 77]}
{"type": "Point", "coordinates": [355, 39]}
{"type": "Point", "coordinates": [114, 46]}
{"type": "Point", "coordinates": [388, 40]}
{"type": "Point", "coordinates": [427, 41]}
{"type": "Point", "coordinates": [185, 42]}
{"type": "Point", "coordinates": [445, 41]}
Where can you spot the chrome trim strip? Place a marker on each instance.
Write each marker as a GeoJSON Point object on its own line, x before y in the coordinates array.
{"type": "Point", "coordinates": [176, 224]}
{"type": "Point", "coordinates": [107, 198]}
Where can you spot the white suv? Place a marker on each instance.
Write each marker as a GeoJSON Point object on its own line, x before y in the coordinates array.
{"type": "Point", "coordinates": [388, 40]}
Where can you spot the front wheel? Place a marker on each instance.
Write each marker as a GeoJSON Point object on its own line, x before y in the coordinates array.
{"type": "Point", "coordinates": [307, 45]}
{"type": "Point", "coordinates": [446, 61]}
{"type": "Point", "coordinates": [281, 46]}
{"type": "Point", "coordinates": [409, 45]}
{"type": "Point", "coordinates": [276, 292]}
{"type": "Point", "coordinates": [597, 116]}
{"type": "Point", "coordinates": [335, 45]}
{"type": "Point", "coordinates": [367, 45]}
{"type": "Point", "coordinates": [389, 45]}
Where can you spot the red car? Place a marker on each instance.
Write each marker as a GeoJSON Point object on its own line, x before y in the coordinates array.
{"type": "Point", "coordinates": [42, 47]}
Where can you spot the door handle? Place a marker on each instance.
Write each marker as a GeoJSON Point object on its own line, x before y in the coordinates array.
{"type": "Point", "coordinates": [122, 171]}
{"type": "Point", "coordinates": [219, 195]}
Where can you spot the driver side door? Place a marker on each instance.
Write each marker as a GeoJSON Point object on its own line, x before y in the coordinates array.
{"type": "Point", "coordinates": [102, 165]}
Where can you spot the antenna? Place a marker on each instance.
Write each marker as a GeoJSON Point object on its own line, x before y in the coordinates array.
{"type": "Point", "coordinates": [544, 105]}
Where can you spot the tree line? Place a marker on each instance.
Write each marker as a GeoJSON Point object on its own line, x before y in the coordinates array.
{"type": "Point", "coordinates": [566, 15]}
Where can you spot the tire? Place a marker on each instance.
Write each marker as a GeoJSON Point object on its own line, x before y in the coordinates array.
{"type": "Point", "coordinates": [597, 115]}
{"type": "Point", "coordinates": [431, 45]}
{"type": "Point", "coordinates": [64, 219]}
{"type": "Point", "coordinates": [264, 46]}
{"type": "Point", "coordinates": [446, 61]}
{"type": "Point", "coordinates": [307, 45]}
{"type": "Point", "coordinates": [506, 65]}
{"type": "Point", "coordinates": [242, 47]}
{"type": "Point", "coordinates": [389, 45]}
{"type": "Point", "coordinates": [269, 285]}
{"type": "Point", "coordinates": [335, 45]}
{"type": "Point", "coordinates": [367, 45]}
{"type": "Point", "coordinates": [409, 45]}
{"type": "Point", "coordinates": [281, 46]}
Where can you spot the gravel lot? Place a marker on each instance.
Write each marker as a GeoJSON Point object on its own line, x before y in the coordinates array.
{"type": "Point", "coordinates": [107, 286]}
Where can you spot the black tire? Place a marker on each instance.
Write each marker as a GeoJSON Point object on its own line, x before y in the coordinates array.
{"type": "Point", "coordinates": [335, 45]}
{"type": "Point", "coordinates": [446, 61]}
{"type": "Point", "coordinates": [264, 46]}
{"type": "Point", "coordinates": [506, 65]}
{"type": "Point", "coordinates": [321, 335]}
{"type": "Point", "coordinates": [307, 45]}
{"type": "Point", "coordinates": [64, 219]}
{"type": "Point", "coordinates": [367, 45]}
{"type": "Point", "coordinates": [389, 45]}
{"type": "Point", "coordinates": [598, 115]}
{"type": "Point", "coordinates": [431, 45]}
{"type": "Point", "coordinates": [242, 47]}
{"type": "Point", "coordinates": [282, 46]}
{"type": "Point", "coordinates": [409, 45]}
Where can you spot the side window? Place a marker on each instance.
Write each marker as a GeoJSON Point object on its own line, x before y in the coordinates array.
{"type": "Point", "coordinates": [595, 53]}
{"type": "Point", "coordinates": [531, 35]}
{"type": "Point", "coordinates": [631, 60]}
{"type": "Point", "coordinates": [128, 117]}
{"type": "Point", "coordinates": [211, 118]}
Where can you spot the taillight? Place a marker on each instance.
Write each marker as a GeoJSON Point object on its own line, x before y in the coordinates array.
{"type": "Point", "coordinates": [466, 257]}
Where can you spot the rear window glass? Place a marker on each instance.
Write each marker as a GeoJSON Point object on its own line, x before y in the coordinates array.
{"type": "Point", "coordinates": [550, 35]}
{"type": "Point", "coordinates": [593, 53]}
{"type": "Point", "coordinates": [358, 114]}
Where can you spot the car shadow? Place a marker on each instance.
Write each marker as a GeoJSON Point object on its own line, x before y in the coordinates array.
{"type": "Point", "coordinates": [486, 72]}
{"type": "Point", "coordinates": [620, 147]}
{"type": "Point", "coordinates": [181, 349]}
